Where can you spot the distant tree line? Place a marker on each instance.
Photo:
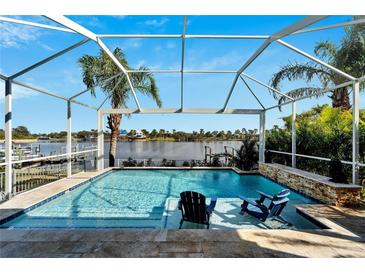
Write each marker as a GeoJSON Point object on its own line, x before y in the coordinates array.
{"type": "Point", "coordinates": [22, 132]}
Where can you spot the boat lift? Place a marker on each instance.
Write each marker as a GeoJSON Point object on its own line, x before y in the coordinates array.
{"type": "Point", "coordinates": [229, 153]}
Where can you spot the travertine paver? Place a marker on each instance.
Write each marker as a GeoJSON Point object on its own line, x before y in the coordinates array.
{"type": "Point", "coordinates": [334, 242]}
{"type": "Point", "coordinates": [178, 243]}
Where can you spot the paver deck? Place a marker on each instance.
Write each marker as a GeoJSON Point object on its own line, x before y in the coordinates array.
{"type": "Point", "coordinates": [178, 243]}
{"type": "Point", "coordinates": [344, 238]}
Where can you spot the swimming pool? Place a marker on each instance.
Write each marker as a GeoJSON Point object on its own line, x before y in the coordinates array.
{"type": "Point", "coordinates": [137, 198]}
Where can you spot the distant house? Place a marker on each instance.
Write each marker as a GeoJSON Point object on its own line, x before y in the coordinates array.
{"type": "Point", "coordinates": [139, 135]}
{"type": "Point", "coordinates": [123, 133]}
{"type": "Point", "coordinates": [43, 138]}
{"type": "Point", "coordinates": [90, 138]}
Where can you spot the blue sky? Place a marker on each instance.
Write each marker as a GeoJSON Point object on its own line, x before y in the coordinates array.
{"type": "Point", "coordinates": [22, 46]}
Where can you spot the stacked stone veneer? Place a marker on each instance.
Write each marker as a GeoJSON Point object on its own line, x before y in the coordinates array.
{"type": "Point", "coordinates": [313, 185]}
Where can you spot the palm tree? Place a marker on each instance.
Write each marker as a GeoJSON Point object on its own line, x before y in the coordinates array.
{"type": "Point", "coordinates": [348, 56]}
{"type": "Point", "coordinates": [96, 69]}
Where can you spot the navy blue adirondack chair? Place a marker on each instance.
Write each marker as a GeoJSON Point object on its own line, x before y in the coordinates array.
{"type": "Point", "coordinates": [262, 212]}
{"type": "Point", "coordinates": [193, 208]}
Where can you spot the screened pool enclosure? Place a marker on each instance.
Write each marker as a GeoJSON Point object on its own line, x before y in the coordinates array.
{"type": "Point", "coordinates": [71, 26]}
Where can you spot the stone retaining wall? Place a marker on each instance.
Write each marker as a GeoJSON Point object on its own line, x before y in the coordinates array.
{"type": "Point", "coordinates": [313, 185]}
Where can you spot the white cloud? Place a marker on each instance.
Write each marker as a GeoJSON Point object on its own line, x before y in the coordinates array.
{"type": "Point", "coordinates": [120, 17]}
{"type": "Point", "coordinates": [14, 35]}
{"type": "Point", "coordinates": [227, 61]}
{"type": "Point", "coordinates": [46, 47]}
{"type": "Point", "coordinates": [18, 92]}
{"type": "Point", "coordinates": [93, 22]}
{"type": "Point", "coordinates": [170, 45]}
{"type": "Point", "coordinates": [17, 36]}
{"type": "Point", "coordinates": [155, 22]}
{"type": "Point", "coordinates": [132, 43]}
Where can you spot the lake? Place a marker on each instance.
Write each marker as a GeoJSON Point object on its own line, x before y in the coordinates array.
{"type": "Point", "coordinates": [145, 150]}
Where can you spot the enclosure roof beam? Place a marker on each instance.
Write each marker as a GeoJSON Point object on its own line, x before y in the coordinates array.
{"type": "Point", "coordinates": [139, 35]}
{"type": "Point", "coordinates": [86, 90]}
{"type": "Point", "coordinates": [3, 77]}
{"type": "Point", "coordinates": [121, 67]}
{"type": "Point", "coordinates": [187, 36]}
{"type": "Point", "coordinates": [108, 96]}
{"type": "Point", "coordinates": [101, 105]}
{"type": "Point", "coordinates": [50, 93]}
{"type": "Point", "coordinates": [46, 60]}
{"type": "Point", "coordinates": [267, 86]}
{"type": "Point", "coordinates": [87, 33]}
{"type": "Point", "coordinates": [252, 92]}
{"type": "Point", "coordinates": [338, 25]}
{"type": "Point", "coordinates": [178, 71]}
{"type": "Point", "coordinates": [280, 34]}
{"type": "Point", "coordinates": [62, 20]}
{"type": "Point", "coordinates": [23, 22]}
{"type": "Point", "coordinates": [179, 111]}
{"type": "Point", "coordinates": [217, 36]}
{"type": "Point", "coordinates": [340, 72]}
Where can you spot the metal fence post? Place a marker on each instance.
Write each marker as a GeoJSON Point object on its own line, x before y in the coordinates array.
{"type": "Point", "coordinates": [293, 136]}
{"type": "Point", "coordinates": [262, 137]}
{"type": "Point", "coordinates": [8, 139]}
{"type": "Point", "coordinates": [355, 131]}
{"type": "Point", "coordinates": [69, 140]}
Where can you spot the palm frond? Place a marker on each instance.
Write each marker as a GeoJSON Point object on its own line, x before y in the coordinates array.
{"type": "Point", "coordinates": [97, 69]}
{"type": "Point", "coordinates": [326, 51]}
{"type": "Point", "coordinates": [145, 83]}
{"type": "Point", "coordinates": [295, 71]}
{"type": "Point", "coordinates": [300, 92]}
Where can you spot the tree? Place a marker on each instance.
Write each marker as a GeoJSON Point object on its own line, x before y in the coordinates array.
{"type": "Point", "coordinates": [21, 132]}
{"type": "Point", "coordinates": [96, 69]}
{"type": "Point", "coordinates": [348, 56]}
{"type": "Point", "coordinates": [201, 132]}
{"type": "Point", "coordinates": [153, 133]}
{"type": "Point", "coordinates": [246, 156]}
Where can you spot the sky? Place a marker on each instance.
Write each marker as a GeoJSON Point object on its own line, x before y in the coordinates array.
{"type": "Point", "coordinates": [21, 46]}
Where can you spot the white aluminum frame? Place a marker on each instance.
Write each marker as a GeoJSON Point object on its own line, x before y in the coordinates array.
{"type": "Point", "coordinates": [75, 28]}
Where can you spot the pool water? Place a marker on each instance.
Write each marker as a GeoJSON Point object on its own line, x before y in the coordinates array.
{"type": "Point", "coordinates": [137, 198]}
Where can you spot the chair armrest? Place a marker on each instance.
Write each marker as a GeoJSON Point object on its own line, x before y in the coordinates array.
{"type": "Point", "coordinates": [179, 205]}
{"type": "Point", "coordinates": [213, 202]}
{"type": "Point", "coordinates": [248, 200]}
{"type": "Point", "coordinates": [264, 195]}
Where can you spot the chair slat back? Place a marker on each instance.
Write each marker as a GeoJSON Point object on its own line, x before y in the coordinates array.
{"type": "Point", "coordinates": [194, 206]}
{"type": "Point", "coordinates": [276, 207]}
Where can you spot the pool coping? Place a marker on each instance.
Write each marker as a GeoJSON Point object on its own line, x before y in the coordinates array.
{"type": "Point", "coordinates": [323, 224]}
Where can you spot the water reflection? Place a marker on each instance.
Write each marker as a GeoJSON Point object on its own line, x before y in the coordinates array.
{"type": "Point", "coordinates": [145, 150]}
